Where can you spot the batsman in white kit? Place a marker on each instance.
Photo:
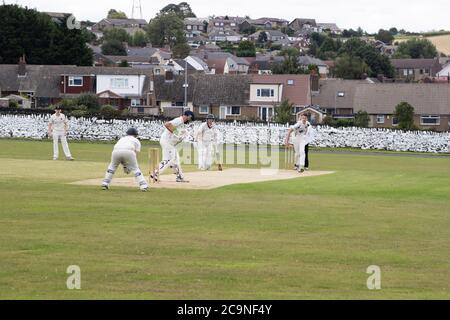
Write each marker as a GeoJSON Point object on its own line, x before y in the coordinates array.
{"type": "Point", "coordinates": [300, 140]}
{"type": "Point", "coordinates": [57, 128]}
{"type": "Point", "coordinates": [207, 138]}
{"type": "Point", "coordinates": [125, 154]}
{"type": "Point", "coordinates": [174, 133]}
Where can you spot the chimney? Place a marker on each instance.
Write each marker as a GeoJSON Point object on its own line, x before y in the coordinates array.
{"type": "Point", "coordinates": [22, 71]}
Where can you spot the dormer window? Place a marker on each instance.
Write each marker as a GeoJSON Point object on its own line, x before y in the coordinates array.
{"type": "Point", "coordinates": [290, 82]}
{"type": "Point", "coordinates": [341, 94]}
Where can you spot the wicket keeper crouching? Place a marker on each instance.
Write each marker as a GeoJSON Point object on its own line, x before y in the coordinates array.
{"type": "Point", "coordinates": [171, 137]}
{"type": "Point", "coordinates": [125, 154]}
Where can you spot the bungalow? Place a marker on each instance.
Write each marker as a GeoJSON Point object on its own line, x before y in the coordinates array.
{"type": "Point", "coordinates": [272, 35]}
{"type": "Point", "coordinates": [304, 24]}
{"type": "Point", "coordinates": [269, 23]}
{"type": "Point", "coordinates": [221, 35]}
{"type": "Point", "coordinates": [107, 24]}
{"type": "Point", "coordinates": [415, 69]}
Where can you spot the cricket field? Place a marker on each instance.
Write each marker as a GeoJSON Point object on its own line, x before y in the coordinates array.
{"type": "Point", "coordinates": [307, 238]}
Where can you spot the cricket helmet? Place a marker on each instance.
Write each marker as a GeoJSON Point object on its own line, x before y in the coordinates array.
{"type": "Point", "coordinates": [132, 132]}
{"type": "Point", "coordinates": [189, 114]}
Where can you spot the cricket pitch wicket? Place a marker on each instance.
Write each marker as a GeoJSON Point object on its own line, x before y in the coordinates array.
{"type": "Point", "coordinates": [154, 158]}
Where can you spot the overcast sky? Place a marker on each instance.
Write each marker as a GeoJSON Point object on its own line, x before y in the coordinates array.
{"type": "Point", "coordinates": [371, 15]}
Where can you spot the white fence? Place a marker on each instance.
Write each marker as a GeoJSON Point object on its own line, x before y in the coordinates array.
{"type": "Point", "coordinates": [35, 127]}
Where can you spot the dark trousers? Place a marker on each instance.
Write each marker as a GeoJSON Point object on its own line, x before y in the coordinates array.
{"type": "Point", "coordinates": [307, 157]}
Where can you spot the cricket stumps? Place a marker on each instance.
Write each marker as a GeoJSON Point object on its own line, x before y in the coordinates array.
{"type": "Point", "coordinates": [154, 157]}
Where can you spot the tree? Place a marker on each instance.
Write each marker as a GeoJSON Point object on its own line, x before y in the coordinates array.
{"type": "Point", "coordinates": [287, 30]}
{"type": "Point", "coordinates": [182, 10]}
{"type": "Point", "coordinates": [27, 32]}
{"type": "Point", "coordinates": [246, 49]}
{"type": "Point", "coordinates": [290, 65]}
{"type": "Point", "coordinates": [362, 119]}
{"type": "Point", "coordinates": [166, 29]}
{"type": "Point", "coordinates": [181, 50]}
{"type": "Point", "coordinates": [113, 48]}
{"type": "Point", "coordinates": [384, 36]}
{"type": "Point", "coordinates": [416, 49]}
{"type": "Point", "coordinates": [117, 34]}
{"type": "Point", "coordinates": [262, 38]}
{"type": "Point", "coordinates": [114, 14]}
{"type": "Point", "coordinates": [88, 100]}
{"type": "Point", "coordinates": [283, 113]}
{"type": "Point", "coordinates": [139, 39]}
{"type": "Point", "coordinates": [393, 31]}
{"type": "Point", "coordinates": [377, 63]}
{"type": "Point", "coordinates": [348, 67]}
{"type": "Point", "coordinates": [404, 113]}
{"type": "Point", "coordinates": [247, 29]}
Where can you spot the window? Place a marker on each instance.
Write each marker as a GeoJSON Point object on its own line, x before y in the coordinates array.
{"type": "Point", "coordinates": [135, 102]}
{"type": "Point", "coordinates": [75, 81]}
{"type": "Point", "coordinates": [140, 110]}
{"type": "Point", "coordinates": [341, 94]}
{"type": "Point", "coordinates": [177, 104]}
{"type": "Point", "coordinates": [119, 83]}
{"type": "Point", "coordinates": [429, 120]}
{"type": "Point", "coordinates": [204, 110]}
{"type": "Point", "coordinates": [290, 82]}
{"type": "Point", "coordinates": [296, 110]}
{"type": "Point", "coordinates": [394, 121]}
{"type": "Point", "coordinates": [233, 24]}
{"type": "Point", "coordinates": [157, 72]}
{"type": "Point", "coordinates": [380, 119]}
{"type": "Point", "coordinates": [265, 92]}
{"type": "Point", "coordinates": [189, 27]}
{"type": "Point", "coordinates": [233, 111]}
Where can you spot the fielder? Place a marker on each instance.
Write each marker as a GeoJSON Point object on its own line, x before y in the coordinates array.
{"type": "Point", "coordinates": [300, 140]}
{"type": "Point", "coordinates": [58, 127]}
{"type": "Point", "coordinates": [207, 141]}
{"type": "Point", "coordinates": [174, 133]}
{"type": "Point", "coordinates": [125, 153]}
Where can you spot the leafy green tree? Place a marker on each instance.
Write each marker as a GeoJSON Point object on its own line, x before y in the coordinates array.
{"type": "Point", "coordinates": [88, 100]}
{"type": "Point", "coordinates": [114, 14]}
{"type": "Point", "coordinates": [26, 31]}
{"type": "Point", "coordinates": [283, 112]}
{"type": "Point", "coordinates": [404, 112]}
{"type": "Point", "coordinates": [416, 49]}
{"type": "Point", "coordinates": [113, 48]}
{"type": "Point", "coordinates": [247, 29]}
{"type": "Point", "coordinates": [109, 111]}
{"type": "Point", "coordinates": [166, 29]}
{"type": "Point", "coordinates": [246, 49]}
{"type": "Point", "coordinates": [290, 65]}
{"type": "Point", "coordinates": [384, 36]}
{"type": "Point", "coordinates": [181, 50]}
{"type": "Point", "coordinates": [348, 67]}
{"type": "Point", "coordinates": [117, 34]}
{"type": "Point", "coordinates": [182, 10]}
{"type": "Point", "coordinates": [286, 30]}
{"type": "Point", "coordinates": [393, 31]}
{"type": "Point", "coordinates": [377, 63]}
{"type": "Point", "coordinates": [262, 38]}
{"type": "Point", "coordinates": [362, 119]}
{"type": "Point", "coordinates": [139, 39]}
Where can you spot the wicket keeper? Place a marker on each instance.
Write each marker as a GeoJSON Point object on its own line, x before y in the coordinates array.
{"type": "Point", "coordinates": [125, 154]}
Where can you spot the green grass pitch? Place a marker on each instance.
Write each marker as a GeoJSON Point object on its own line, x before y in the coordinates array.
{"type": "Point", "coordinates": [310, 238]}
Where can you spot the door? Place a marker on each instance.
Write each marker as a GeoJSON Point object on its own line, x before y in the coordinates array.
{"type": "Point", "coordinates": [223, 113]}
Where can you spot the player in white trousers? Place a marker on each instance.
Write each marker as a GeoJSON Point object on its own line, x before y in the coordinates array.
{"type": "Point", "coordinates": [173, 134]}
{"type": "Point", "coordinates": [300, 130]}
{"type": "Point", "coordinates": [207, 140]}
{"type": "Point", "coordinates": [57, 128]}
{"type": "Point", "coordinates": [125, 154]}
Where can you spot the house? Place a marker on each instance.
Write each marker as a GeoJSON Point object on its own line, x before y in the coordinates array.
{"type": "Point", "coordinates": [304, 24]}
{"type": "Point", "coordinates": [411, 70]}
{"type": "Point", "coordinates": [269, 91]}
{"type": "Point", "coordinates": [445, 72]}
{"type": "Point", "coordinates": [198, 64]}
{"type": "Point", "coordinates": [195, 27]}
{"type": "Point", "coordinates": [22, 102]}
{"type": "Point", "coordinates": [44, 85]}
{"type": "Point", "coordinates": [306, 61]}
{"type": "Point", "coordinates": [224, 23]}
{"type": "Point", "coordinates": [224, 62]}
{"type": "Point", "coordinates": [331, 27]}
{"type": "Point", "coordinates": [236, 65]}
{"type": "Point", "coordinates": [344, 98]}
{"type": "Point", "coordinates": [272, 35]}
{"type": "Point", "coordinates": [160, 57]}
{"type": "Point", "coordinates": [269, 23]}
{"type": "Point", "coordinates": [260, 67]}
{"type": "Point", "coordinates": [221, 35]}
{"type": "Point", "coordinates": [130, 24]}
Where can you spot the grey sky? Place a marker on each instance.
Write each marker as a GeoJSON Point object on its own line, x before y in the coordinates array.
{"type": "Point", "coordinates": [412, 15]}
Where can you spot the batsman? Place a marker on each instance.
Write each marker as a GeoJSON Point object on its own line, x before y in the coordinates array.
{"type": "Point", "coordinates": [174, 133]}
{"type": "Point", "coordinates": [207, 138]}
